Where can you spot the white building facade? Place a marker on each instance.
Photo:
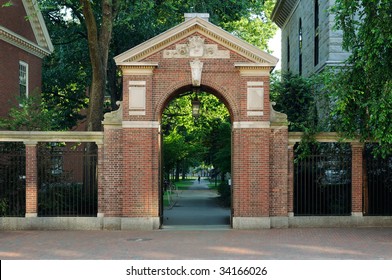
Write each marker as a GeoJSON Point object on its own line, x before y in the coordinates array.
{"type": "Point", "coordinates": [309, 40]}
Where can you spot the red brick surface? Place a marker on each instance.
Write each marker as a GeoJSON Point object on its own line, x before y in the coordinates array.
{"type": "Point", "coordinates": [357, 178]}
{"type": "Point", "coordinates": [251, 147]}
{"type": "Point", "coordinates": [31, 179]}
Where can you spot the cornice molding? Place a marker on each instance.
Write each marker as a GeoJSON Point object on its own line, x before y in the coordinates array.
{"type": "Point", "coordinates": [31, 137]}
{"type": "Point", "coordinates": [22, 43]}
{"type": "Point", "coordinates": [138, 68]}
{"type": "Point", "coordinates": [38, 25]}
{"type": "Point", "coordinates": [204, 28]}
{"type": "Point", "coordinates": [253, 69]}
{"type": "Point", "coordinates": [283, 10]}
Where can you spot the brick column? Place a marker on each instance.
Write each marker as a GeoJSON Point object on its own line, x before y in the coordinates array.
{"type": "Point", "coordinates": [356, 178]}
{"type": "Point", "coordinates": [290, 181]}
{"type": "Point", "coordinates": [100, 171]}
{"type": "Point", "coordinates": [31, 179]}
{"type": "Point", "coordinates": [251, 176]}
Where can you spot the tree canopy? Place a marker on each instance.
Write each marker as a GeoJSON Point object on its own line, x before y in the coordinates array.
{"type": "Point", "coordinates": [88, 34]}
{"type": "Point", "coordinates": [362, 91]}
{"type": "Point", "coordinates": [189, 141]}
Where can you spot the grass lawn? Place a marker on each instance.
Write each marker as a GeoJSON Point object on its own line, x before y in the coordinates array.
{"type": "Point", "coordinates": [184, 184]}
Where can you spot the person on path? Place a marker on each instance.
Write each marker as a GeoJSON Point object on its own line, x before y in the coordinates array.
{"type": "Point", "coordinates": [198, 179]}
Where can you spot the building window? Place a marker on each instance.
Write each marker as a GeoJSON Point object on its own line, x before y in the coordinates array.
{"type": "Point", "coordinates": [23, 79]}
{"type": "Point", "coordinates": [288, 54]}
{"type": "Point", "coordinates": [316, 31]}
{"type": "Point", "coordinates": [300, 46]}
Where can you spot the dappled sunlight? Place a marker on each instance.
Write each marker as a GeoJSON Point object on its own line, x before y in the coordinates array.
{"type": "Point", "coordinates": [325, 250]}
{"type": "Point", "coordinates": [5, 255]}
{"type": "Point", "coordinates": [238, 251]}
{"type": "Point", "coordinates": [159, 255]}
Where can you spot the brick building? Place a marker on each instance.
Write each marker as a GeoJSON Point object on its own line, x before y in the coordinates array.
{"type": "Point", "coordinates": [309, 41]}
{"type": "Point", "coordinates": [195, 55]}
{"type": "Point", "coordinates": [24, 42]}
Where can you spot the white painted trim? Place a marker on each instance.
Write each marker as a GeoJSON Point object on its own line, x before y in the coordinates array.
{"type": "Point", "coordinates": [256, 124]}
{"type": "Point", "coordinates": [26, 65]}
{"type": "Point", "coordinates": [137, 113]}
{"type": "Point", "coordinates": [51, 136]}
{"type": "Point", "coordinates": [189, 27]}
{"type": "Point", "coordinates": [22, 43]}
{"type": "Point", "coordinates": [38, 24]}
{"type": "Point", "coordinates": [255, 113]}
{"type": "Point", "coordinates": [139, 64]}
{"type": "Point", "coordinates": [140, 124]}
{"type": "Point", "coordinates": [255, 84]}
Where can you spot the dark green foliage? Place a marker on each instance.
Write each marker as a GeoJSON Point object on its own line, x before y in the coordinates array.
{"type": "Point", "coordinates": [191, 142]}
{"type": "Point", "coordinates": [224, 190]}
{"type": "Point", "coordinates": [294, 96]}
{"type": "Point", "coordinates": [31, 114]}
{"type": "Point", "coordinates": [363, 90]}
{"type": "Point", "coordinates": [67, 73]}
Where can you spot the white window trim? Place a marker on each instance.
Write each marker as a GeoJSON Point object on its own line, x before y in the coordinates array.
{"type": "Point", "coordinates": [26, 65]}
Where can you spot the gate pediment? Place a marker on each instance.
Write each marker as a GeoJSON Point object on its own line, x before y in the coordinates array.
{"type": "Point", "coordinates": [195, 45]}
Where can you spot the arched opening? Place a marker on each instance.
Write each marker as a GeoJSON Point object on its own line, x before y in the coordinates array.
{"type": "Point", "coordinates": [195, 160]}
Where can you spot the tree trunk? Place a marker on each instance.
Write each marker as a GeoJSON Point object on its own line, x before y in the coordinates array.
{"type": "Point", "coordinates": [98, 44]}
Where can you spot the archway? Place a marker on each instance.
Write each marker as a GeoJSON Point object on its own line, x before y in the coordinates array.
{"type": "Point", "coordinates": [196, 161]}
{"type": "Point", "coordinates": [194, 54]}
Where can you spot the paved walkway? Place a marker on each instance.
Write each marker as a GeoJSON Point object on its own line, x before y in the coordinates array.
{"type": "Point", "coordinates": [195, 214]}
{"type": "Point", "coordinates": [196, 208]}
{"type": "Point", "coordinates": [269, 244]}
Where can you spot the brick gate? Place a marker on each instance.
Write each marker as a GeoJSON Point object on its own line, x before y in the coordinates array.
{"type": "Point", "coordinates": [194, 55]}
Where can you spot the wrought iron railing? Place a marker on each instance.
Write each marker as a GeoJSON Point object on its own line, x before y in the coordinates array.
{"type": "Point", "coordinates": [377, 188]}
{"type": "Point", "coordinates": [12, 179]}
{"type": "Point", "coordinates": [67, 180]}
{"type": "Point", "coordinates": [322, 182]}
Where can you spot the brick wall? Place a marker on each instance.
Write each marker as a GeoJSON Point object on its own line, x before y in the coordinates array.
{"type": "Point", "coordinates": [31, 180]}
{"type": "Point", "coordinates": [9, 74]}
{"type": "Point", "coordinates": [111, 191]}
{"type": "Point", "coordinates": [137, 143]}
{"type": "Point", "coordinates": [279, 172]}
{"type": "Point", "coordinates": [251, 169]}
{"type": "Point", "coordinates": [357, 177]}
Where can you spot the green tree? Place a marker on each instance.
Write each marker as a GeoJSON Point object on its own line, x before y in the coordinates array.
{"type": "Point", "coordinates": [257, 27]}
{"type": "Point", "coordinates": [294, 96]}
{"type": "Point", "coordinates": [103, 29]}
{"type": "Point", "coordinates": [362, 91]}
{"type": "Point", "coordinates": [30, 115]}
{"type": "Point", "coordinates": [191, 142]}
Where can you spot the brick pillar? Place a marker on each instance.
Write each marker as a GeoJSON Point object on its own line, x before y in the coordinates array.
{"type": "Point", "coordinates": [31, 179]}
{"type": "Point", "coordinates": [100, 171]}
{"type": "Point", "coordinates": [278, 171]}
{"type": "Point", "coordinates": [290, 181]}
{"type": "Point", "coordinates": [356, 178]}
{"type": "Point", "coordinates": [251, 177]}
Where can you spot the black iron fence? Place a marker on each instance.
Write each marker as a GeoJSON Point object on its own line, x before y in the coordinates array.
{"type": "Point", "coordinates": [377, 189]}
{"type": "Point", "coordinates": [12, 180]}
{"type": "Point", "coordinates": [67, 180]}
{"type": "Point", "coordinates": [322, 181]}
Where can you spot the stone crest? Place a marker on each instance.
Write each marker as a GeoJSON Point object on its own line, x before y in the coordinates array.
{"type": "Point", "coordinates": [197, 68]}
{"type": "Point", "coordinates": [196, 47]}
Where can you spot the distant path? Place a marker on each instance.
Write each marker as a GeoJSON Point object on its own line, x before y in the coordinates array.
{"type": "Point", "coordinates": [197, 207]}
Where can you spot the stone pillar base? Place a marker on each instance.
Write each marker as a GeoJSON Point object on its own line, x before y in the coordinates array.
{"type": "Point", "coordinates": [143, 223]}
{"type": "Point", "coordinates": [251, 222]}
{"type": "Point", "coordinates": [357, 214]}
{"type": "Point", "coordinates": [31, 215]}
{"type": "Point", "coordinates": [148, 223]}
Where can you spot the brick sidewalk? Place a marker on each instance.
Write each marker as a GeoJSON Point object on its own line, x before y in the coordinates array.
{"type": "Point", "coordinates": [280, 244]}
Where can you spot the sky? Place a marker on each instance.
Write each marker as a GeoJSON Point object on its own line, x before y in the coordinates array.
{"type": "Point", "coordinates": [275, 45]}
